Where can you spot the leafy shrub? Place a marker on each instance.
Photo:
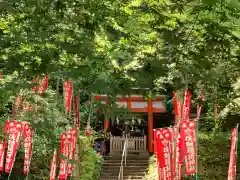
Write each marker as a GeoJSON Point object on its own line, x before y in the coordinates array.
{"type": "Point", "coordinates": [152, 169]}
{"type": "Point", "coordinates": [90, 164]}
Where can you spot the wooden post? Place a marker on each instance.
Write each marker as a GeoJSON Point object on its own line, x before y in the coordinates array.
{"type": "Point", "coordinates": [150, 127]}
{"type": "Point", "coordinates": [106, 123]}
{"type": "Point", "coordinates": [145, 144]}
{"type": "Point", "coordinates": [106, 116]}
{"type": "Point", "coordinates": [111, 144]}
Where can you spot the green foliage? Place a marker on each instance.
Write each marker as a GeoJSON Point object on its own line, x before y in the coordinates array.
{"type": "Point", "coordinates": [208, 123]}
{"type": "Point", "coordinates": [214, 152]}
{"type": "Point", "coordinates": [47, 119]}
{"type": "Point", "coordinates": [152, 169]}
{"type": "Point", "coordinates": [109, 47]}
{"type": "Point", "coordinates": [90, 163]}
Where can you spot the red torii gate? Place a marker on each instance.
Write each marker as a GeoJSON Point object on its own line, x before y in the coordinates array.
{"type": "Point", "coordinates": [136, 103]}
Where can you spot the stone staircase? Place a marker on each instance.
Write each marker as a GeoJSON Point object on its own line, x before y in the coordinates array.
{"type": "Point", "coordinates": [135, 169]}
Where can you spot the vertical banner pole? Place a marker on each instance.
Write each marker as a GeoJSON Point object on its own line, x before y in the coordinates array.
{"type": "Point", "coordinates": [197, 150]}
{"type": "Point", "coordinates": [235, 168]}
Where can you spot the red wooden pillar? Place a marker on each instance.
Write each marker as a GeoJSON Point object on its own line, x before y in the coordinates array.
{"type": "Point", "coordinates": [106, 118]}
{"type": "Point", "coordinates": [150, 127]}
{"type": "Point", "coordinates": [106, 123]}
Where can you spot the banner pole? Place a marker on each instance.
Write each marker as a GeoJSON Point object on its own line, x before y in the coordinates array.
{"type": "Point", "coordinates": [235, 169]}
{"type": "Point", "coordinates": [197, 150]}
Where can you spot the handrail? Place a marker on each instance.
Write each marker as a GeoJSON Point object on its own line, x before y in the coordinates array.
{"type": "Point", "coordinates": [124, 158]}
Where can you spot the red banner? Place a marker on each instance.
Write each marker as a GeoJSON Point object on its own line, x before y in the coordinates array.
{"type": "Point", "coordinates": [189, 145]}
{"type": "Point", "coordinates": [65, 142]}
{"type": "Point", "coordinates": [187, 105]}
{"type": "Point", "coordinates": [232, 163]}
{"type": "Point", "coordinates": [42, 87]}
{"type": "Point", "coordinates": [53, 170]}
{"type": "Point", "coordinates": [77, 113]}
{"type": "Point", "coordinates": [44, 84]}
{"type": "Point", "coordinates": [14, 132]}
{"type": "Point", "coordinates": [177, 157]}
{"type": "Point", "coordinates": [163, 148]}
{"type": "Point", "coordinates": [63, 160]}
{"type": "Point", "coordinates": [67, 94]}
{"type": "Point", "coordinates": [158, 150]}
{"type": "Point", "coordinates": [2, 153]}
{"type": "Point", "coordinates": [177, 107]}
{"type": "Point", "coordinates": [73, 141]}
{"type": "Point", "coordinates": [27, 144]}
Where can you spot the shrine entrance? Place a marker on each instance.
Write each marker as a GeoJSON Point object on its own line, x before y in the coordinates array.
{"type": "Point", "coordinates": [132, 125]}
{"type": "Point", "coordinates": [138, 124]}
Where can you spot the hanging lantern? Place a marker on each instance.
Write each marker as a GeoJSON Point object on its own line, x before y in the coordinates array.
{"type": "Point", "coordinates": [139, 121]}
{"type": "Point", "coordinates": [117, 120]}
{"type": "Point", "coordinates": [133, 120]}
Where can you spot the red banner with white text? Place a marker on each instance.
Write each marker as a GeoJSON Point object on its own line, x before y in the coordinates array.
{"type": "Point", "coordinates": [232, 163]}
{"type": "Point", "coordinates": [158, 149]}
{"type": "Point", "coordinates": [28, 133]}
{"type": "Point", "coordinates": [67, 86]}
{"type": "Point", "coordinates": [53, 169]}
{"type": "Point", "coordinates": [177, 156]}
{"type": "Point", "coordinates": [163, 148]}
{"type": "Point", "coordinates": [3, 144]}
{"type": "Point", "coordinates": [72, 144]}
{"type": "Point", "coordinates": [14, 132]}
{"type": "Point", "coordinates": [65, 144]}
{"type": "Point", "coordinates": [189, 145]}
{"type": "Point", "coordinates": [2, 153]}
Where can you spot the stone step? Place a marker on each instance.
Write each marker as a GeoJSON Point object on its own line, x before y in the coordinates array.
{"type": "Point", "coordinates": [135, 169]}
{"type": "Point", "coordinates": [124, 177]}
{"type": "Point", "coordinates": [128, 164]}
{"type": "Point", "coordinates": [129, 157]}
{"type": "Point", "coordinates": [116, 173]}
{"type": "Point", "coordinates": [130, 168]}
{"type": "Point", "coordinates": [128, 160]}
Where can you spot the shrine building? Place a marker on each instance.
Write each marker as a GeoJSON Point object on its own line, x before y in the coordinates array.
{"type": "Point", "coordinates": [142, 117]}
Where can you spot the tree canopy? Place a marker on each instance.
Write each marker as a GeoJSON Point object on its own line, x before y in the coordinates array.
{"type": "Point", "coordinates": [118, 47]}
